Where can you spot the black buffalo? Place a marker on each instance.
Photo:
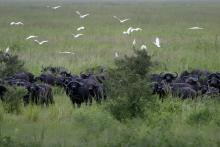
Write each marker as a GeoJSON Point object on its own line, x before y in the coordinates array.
{"type": "Point", "coordinates": [3, 89]}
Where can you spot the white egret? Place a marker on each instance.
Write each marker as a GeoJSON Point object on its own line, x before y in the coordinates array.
{"type": "Point", "coordinates": [31, 36]}
{"type": "Point", "coordinates": [128, 31]}
{"type": "Point", "coordinates": [136, 29]}
{"type": "Point", "coordinates": [16, 23]}
{"type": "Point", "coordinates": [66, 52]}
{"type": "Point", "coordinates": [134, 42]}
{"type": "Point", "coordinates": [121, 20]}
{"type": "Point", "coordinates": [157, 42]}
{"type": "Point", "coordinates": [41, 42]}
{"type": "Point", "coordinates": [81, 15]}
{"type": "Point", "coordinates": [116, 55]}
{"type": "Point", "coordinates": [195, 28]}
{"type": "Point", "coordinates": [80, 28]}
{"type": "Point", "coordinates": [7, 50]}
{"type": "Point", "coordinates": [77, 35]}
{"type": "Point", "coordinates": [55, 7]}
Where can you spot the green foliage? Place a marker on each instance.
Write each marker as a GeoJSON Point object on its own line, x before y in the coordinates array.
{"type": "Point", "coordinates": [6, 141]}
{"type": "Point", "coordinates": [138, 64]}
{"type": "Point", "coordinates": [9, 64]}
{"type": "Point", "coordinates": [127, 85]}
{"type": "Point", "coordinates": [12, 99]}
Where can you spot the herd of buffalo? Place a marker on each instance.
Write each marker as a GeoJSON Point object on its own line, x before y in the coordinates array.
{"type": "Point", "coordinates": [85, 88]}
{"type": "Point", "coordinates": [80, 89]}
{"type": "Point", "coordinates": [187, 85]}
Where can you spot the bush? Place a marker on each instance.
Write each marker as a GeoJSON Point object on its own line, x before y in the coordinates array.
{"type": "Point", "coordinates": [9, 64]}
{"type": "Point", "coordinates": [12, 99]}
{"type": "Point", "coordinates": [127, 86]}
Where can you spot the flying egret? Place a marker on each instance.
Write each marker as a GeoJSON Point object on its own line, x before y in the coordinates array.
{"type": "Point", "coordinates": [16, 23]}
{"type": "Point", "coordinates": [55, 7]}
{"type": "Point", "coordinates": [116, 55]}
{"type": "Point", "coordinates": [31, 36]}
{"type": "Point", "coordinates": [128, 31]}
{"type": "Point", "coordinates": [136, 29]}
{"type": "Point", "coordinates": [7, 50]}
{"type": "Point", "coordinates": [195, 28]}
{"type": "Point", "coordinates": [66, 52]}
{"type": "Point", "coordinates": [82, 16]}
{"type": "Point", "coordinates": [41, 42]}
{"type": "Point", "coordinates": [121, 20]}
{"type": "Point", "coordinates": [77, 35]}
{"type": "Point", "coordinates": [143, 47]}
{"type": "Point", "coordinates": [157, 42]}
{"type": "Point", "coordinates": [80, 28]}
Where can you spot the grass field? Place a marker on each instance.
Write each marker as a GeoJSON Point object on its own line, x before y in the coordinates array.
{"type": "Point", "coordinates": [172, 123]}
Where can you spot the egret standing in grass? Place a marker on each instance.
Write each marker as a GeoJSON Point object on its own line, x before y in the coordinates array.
{"type": "Point", "coordinates": [134, 42]}
{"type": "Point", "coordinates": [116, 55]}
{"type": "Point", "coordinates": [157, 42]}
{"type": "Point", "coordinates": [7, 50]}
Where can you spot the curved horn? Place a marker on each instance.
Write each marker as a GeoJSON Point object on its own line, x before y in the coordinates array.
{"type": "Point", "coordinates": [176, 75]}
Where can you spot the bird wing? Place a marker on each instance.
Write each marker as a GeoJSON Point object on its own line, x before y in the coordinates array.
{"type": "Point", "coordinates": [124, 20]}
{"type": "Point", "coordinates": [83, 16]}
{"type": "Point", "coordinates": [116, 18]}
{"type": "Point", "coordinates": [37, 41]}
{"type": "Point", "coordinates": [77, 12]}
{"type": "Point", "coordinates": [80, 28]}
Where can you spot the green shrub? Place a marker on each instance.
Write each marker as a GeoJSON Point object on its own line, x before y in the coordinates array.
{"type": "Point", "coordinates": [9, 64]}
{"type": "Point", "coordinates": [12, 99]}
{"type": "Point", "coordinates": [8, 141]}
{"type": "Point", "coordinates": [127, 86]}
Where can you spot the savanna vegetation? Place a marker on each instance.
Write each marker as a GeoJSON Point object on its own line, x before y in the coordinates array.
{"type": "Point", "coordinates": [130, 116]}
